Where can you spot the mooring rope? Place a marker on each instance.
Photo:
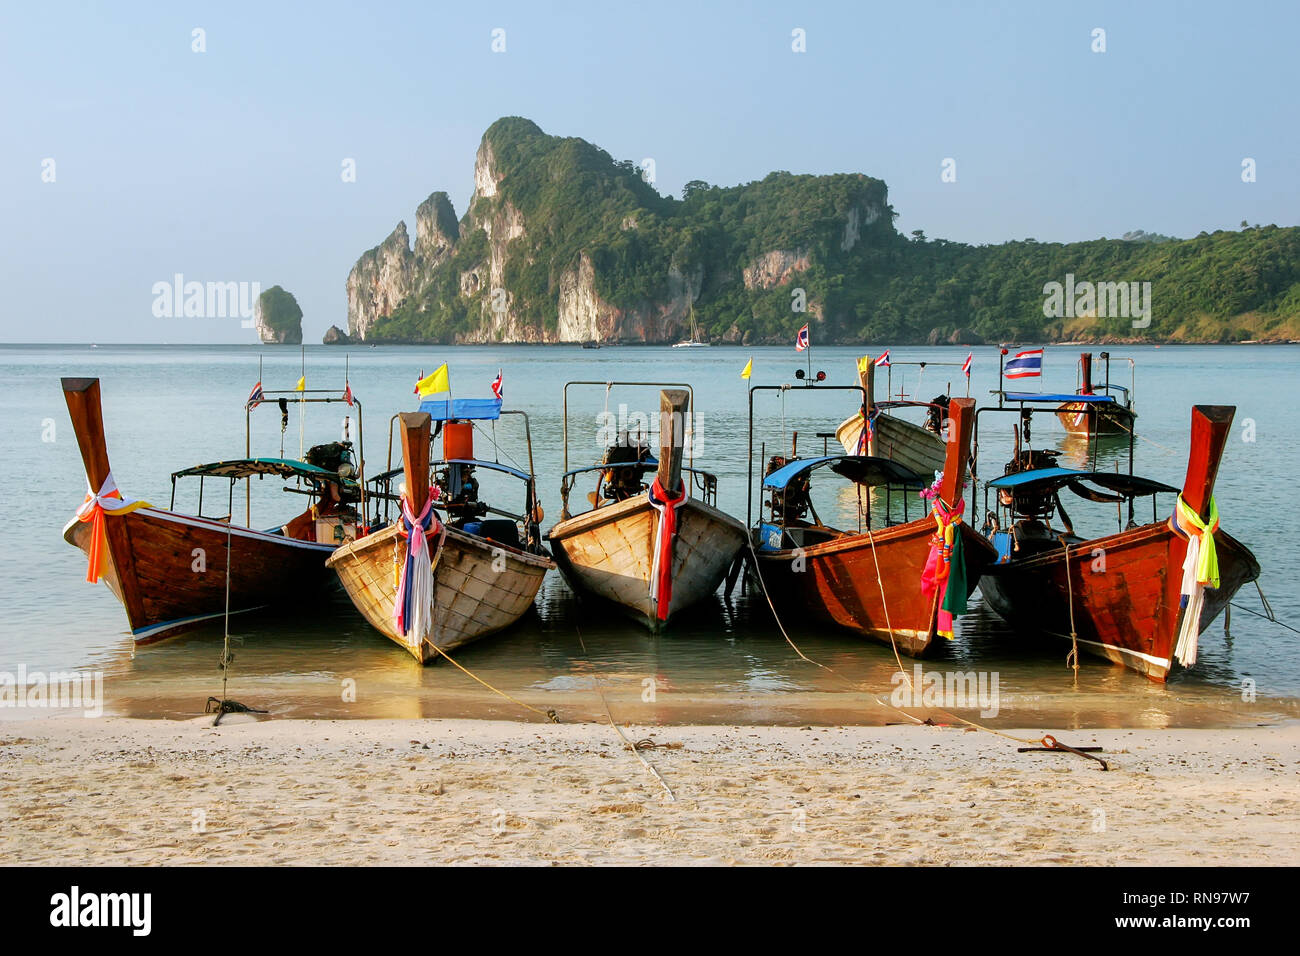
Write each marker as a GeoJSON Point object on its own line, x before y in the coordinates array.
{"type": "Point", "coordinates": [861, 687]}
{"type": "Point", "coordinates": [605, 703]}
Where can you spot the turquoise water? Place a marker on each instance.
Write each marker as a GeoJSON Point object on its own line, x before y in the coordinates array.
{"type": "Point", "coordinates": [169, 407]}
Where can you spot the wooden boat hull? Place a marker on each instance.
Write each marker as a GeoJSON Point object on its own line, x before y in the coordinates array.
{"type": "Point", "coordinates": [839, 584]}
{"type": "Point", "coordinates": [178, 568]}
{"type": "Point", "coordinates": [900, 441]}
{"type": "Point", "coordinates": [480, 587]}
{"type": "Point", "coordinates": [608, 553]}
{"type": "Point", "coordinates": [1124, 590]}
{"type": "Point", "coordinates": [1080, 418]}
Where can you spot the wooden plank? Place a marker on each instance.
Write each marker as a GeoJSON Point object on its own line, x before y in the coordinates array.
{"type": "Point", "coordinates": [674, 406]}
{"type": "Point", "coordinates": [415, 457]}
{"type": "Point", "coordinates": [1210, 426]}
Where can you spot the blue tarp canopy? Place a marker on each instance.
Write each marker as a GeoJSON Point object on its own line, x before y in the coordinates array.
{"type": "Point", "coordinates": [1048, 479]}
{"type": "Point", "coordinates": [861, 469]}
{"type": "Point", "coordinates": [480, 409]}
{"type": "Point", "coordinates": [1055, 397]}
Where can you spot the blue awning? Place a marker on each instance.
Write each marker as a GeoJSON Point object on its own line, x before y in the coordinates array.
{"type": "Point", "coordinates": [480, 409]}
{"type": "Point", "coordinates": [1047, 479]}
{"type": "Point", "coordinates": [1055, 397]}
{"type": "Point", "coordinates": [862, 469]}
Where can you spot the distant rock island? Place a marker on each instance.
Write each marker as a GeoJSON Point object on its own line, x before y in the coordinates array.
{"type": "Point", "coordinates": [562, 243]}
{"type": "Point", "coordinates": [278, 318]}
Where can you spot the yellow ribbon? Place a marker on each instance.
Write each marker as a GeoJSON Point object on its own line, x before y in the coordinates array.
{"type": "Point", "coordinates": [1207, 563]}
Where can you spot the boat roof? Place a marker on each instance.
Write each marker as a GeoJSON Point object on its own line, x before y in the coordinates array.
{"type": "Point", "coordinates": [248, 467]}
{"type": "Point", "coordinates": [1055, 397]}
{"type": "Point", "coordinates": [862, 469]}
{"type": "Point", "coordinates": [1044, 479]}
{"type": "Point", "coordinates": [478, 409]}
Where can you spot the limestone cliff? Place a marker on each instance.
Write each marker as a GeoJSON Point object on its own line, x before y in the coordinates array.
{"type": "Point", "coordinates": [561, 243]}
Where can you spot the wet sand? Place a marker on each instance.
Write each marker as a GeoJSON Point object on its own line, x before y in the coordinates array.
{"type": "Point", "coordinates": [127, 791]}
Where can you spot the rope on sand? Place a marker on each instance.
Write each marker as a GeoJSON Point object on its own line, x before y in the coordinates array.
{"type": "Point", "coordinates": [634, 747]}
{"type": "Point", "coordinates": [1047, 741]}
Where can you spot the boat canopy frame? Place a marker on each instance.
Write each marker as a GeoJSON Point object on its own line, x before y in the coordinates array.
{"type": "Point", "coordinates": [310, 396]}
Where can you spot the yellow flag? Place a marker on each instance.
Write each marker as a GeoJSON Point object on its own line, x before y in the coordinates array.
{"type": "Point", "coordinates": [749, 367]}
{"type": "Point", "coordinates": [435, 382]}
{"type": "Point", "coordinates": [302, 385]}
{"type": "Point", "coordinates": [863, 363]}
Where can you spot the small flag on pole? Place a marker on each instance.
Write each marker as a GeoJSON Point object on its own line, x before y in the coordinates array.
{"type": "Point", "coordinates": [1026, 364]}
{"type": "Point", "coordinates": [435, 382]}
{"type": "Point", "coordinates": [498, 391]}
{"type": "Point", "coordinates": [801, 340]}
{"type": "Point", "coordinates": [883, 361]}
{"type": "Point", "coordinates": [347, 391]}
{"type": "Point", "coordinates": [256, 396]}
{"type": "Point", "coordinates": [302, 385]}
{"type": "Point", "coordinates": [418, 378]}
{"type": "Point", "coordinates": [965, 366]}
{"type": "Point", "coordinates": [863, 363]}
{"type": "Point", "coordinates": [749, 368]}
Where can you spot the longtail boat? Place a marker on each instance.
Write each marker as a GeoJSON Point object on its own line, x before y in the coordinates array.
{"type": "Point", "coordinates": [652, 550]}
{"type": "Point", "coordinates": [1098, 410]}
{"type": "Point", "coordinates": [1139, 597]}
{"type": "Point", "coordinates": [899, 582]}
{"type": "Point", "coordinates": [169, 568]}
{"type": "Point", "coordinates": [874, 432]}
{"type": "Point", "coordinates": [434, 582]}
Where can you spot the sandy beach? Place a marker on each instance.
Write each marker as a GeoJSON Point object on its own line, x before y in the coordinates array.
{"type": "Point", "coordinates": [125, 791]}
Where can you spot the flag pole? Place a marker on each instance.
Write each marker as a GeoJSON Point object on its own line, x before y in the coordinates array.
{"type": "Point", "coordinates": [302, 407]}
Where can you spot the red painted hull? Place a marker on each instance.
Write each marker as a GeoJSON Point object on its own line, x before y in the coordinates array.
{"type": "Point", "coordinates": [168, 595]}
{"type": "Point", "coordinates": [839, 584]}
{"type": "Point", "coordinates": [1126, 607]}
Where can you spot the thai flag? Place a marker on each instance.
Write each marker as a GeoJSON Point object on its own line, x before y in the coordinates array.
{"type": "Point", "coordinates": [883, 361]}
{"type": "Point", "coordinates": [801, 341]}
{"type": "Point", "coordinates": [497, 391]}
{"type": "Point", "coordinates": [256, 396]}
{"type": "Point", "coordinates": [418, 380]}
{"type": "Point", "coordinates": [965, 366]}
{"type": "Point", "coordinates": [347, 392]}
{"type": "Point", "coordinates": [1027, 364]}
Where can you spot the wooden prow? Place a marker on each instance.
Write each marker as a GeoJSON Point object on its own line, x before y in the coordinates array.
{"type": "Point", "coordinates": [1210, 426]}
{"type": "Point", "coordinates": [867, 379]}
{"type": "Point", "coordinates": [674, 406]}
{"type": "Point", "coordinates": [961, 420]}
{"type": "Point", "coordinates": [82, 396]}
{"type": "Point", "coordinates": [415, 457]}
{"type": "Point", "coordinates": [1085, 373]}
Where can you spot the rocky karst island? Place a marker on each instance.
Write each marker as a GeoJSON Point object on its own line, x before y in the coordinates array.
{"type": "Point", "coordinates": [562, 243]}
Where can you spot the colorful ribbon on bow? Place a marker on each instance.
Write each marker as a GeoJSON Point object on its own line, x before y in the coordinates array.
{"type": "Point", "coordinates": [108, 501]}
{"type": "Point", "coordinates": [413, 608]}
{"type": "Point", "coordinates": [945, 566]}
{"type": "Point", "coordinates": [661, 566]}
{"type": "Point", "coordinates": [1200, 570]}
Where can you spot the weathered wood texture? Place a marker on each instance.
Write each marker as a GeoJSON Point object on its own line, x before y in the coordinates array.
{"type": "Point", "coordinates": [480, 587]}
{"type": "Point", "coordinates": [608, 552]}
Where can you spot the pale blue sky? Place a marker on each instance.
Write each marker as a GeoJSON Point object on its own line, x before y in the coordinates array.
{"type": "Point", "coordinates": [225, 165]}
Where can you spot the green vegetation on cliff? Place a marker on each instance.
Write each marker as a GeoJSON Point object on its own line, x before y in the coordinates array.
{"type": "Point", "coordinates": [280, 316]}
{"type": "Point", "coordinates": [739, 254]}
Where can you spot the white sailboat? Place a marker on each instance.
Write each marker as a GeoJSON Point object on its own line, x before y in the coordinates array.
{"type": "Point", "coordinates": [693, 342]}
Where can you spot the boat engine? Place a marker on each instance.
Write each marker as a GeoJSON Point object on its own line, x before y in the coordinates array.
{"type": "Point", "coordinates": [791, 503]}
{"type": "Point", "coordinates": [1029, 504]}
{"type": "Point", "coordinates": [628, 460]}
{"type": "Point", "coordinates": [937, 414]}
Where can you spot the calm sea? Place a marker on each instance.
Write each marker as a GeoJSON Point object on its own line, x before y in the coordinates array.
{"type": "Point", "coordinates": [170, 407]}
